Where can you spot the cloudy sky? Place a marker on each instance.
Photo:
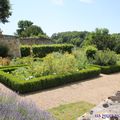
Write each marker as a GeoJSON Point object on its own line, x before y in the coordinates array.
{"type": "Point", "coordinates": [65, 15]}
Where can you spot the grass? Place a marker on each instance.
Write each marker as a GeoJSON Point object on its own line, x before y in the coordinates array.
{"type": "Point", "coordinates": [71, 111]}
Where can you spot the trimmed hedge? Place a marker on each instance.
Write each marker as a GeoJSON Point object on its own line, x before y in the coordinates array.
{"type": "Point", "coordinates": [43, 50]}
{"type": "Point", "coordinates": [23, 86]}
{"type": "Point", "coordinates": [25, 51]}
{"type": "Point", "coordinates": [11, 68]}
{"type": "Point", "coordinates": [109, 69]}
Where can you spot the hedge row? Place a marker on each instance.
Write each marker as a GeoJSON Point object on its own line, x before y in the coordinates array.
{"type": "Point", "coordinates": [43, 50]}
{"type": "Point", "coordinates": [109, 69]}
{"type": "Point", "coordinates": [40, 83]}
{"type": "Point", "coordinates": [11, 68]}
{"type": "Point", "coordinates": [25, 51]}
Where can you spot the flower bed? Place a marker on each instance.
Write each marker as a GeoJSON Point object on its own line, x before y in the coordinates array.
{"type": "Point", "coordinates": [24, 86]}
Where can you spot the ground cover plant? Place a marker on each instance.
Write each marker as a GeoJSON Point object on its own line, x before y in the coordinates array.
{"type": "Point", "coordinates": [71, 111]}
{"type": "Point", "coordinates": [12, 108]}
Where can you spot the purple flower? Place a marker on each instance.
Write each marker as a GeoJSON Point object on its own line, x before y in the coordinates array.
{"type": "Point", "coordinates": [11, 108]}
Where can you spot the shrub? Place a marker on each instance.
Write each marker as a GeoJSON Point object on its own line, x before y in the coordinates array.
{"type": "Point", "coordinates": [106, 57]}
{"type": "Point", "coordinates": [55, 63]}
{"type": "Point", "coordinates": [90, 51]}
{"type": "Point", "coordinates": [11, 68]}
{"type": "Point", "coordinates": [118, 58]}
{"type": "Point", "coordinates": [3, 51]}
{"type": "Point", "coordinates": [20, 61]}
{"type": "Point", "coordinates": [109, 69]}
{"type": "Point", "coordinates": [11, 108]}
{"type": "Point", "coordinates": [117, 48]}
{"type": "Point", "coordinates": [81, 58]}
{"type": "Point", "coordinates": [25, 51]}
{"type": "Point", "coordinates": [43, 50]}
{"type": "Point", "coordinates": [24, 86]}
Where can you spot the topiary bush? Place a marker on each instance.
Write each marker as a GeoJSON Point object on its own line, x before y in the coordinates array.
{"type": "Point", "coordinates": [12, 108]}
{"type": "Point", "coordinates": [105, 58]}
{"type": "Point", "coordinates": [3, 51]}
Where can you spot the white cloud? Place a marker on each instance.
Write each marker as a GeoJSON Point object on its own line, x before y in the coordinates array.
{"type": "Point", "coordinates": [58, 2]}
{"type": "Point", "coordinates": [87, 1]}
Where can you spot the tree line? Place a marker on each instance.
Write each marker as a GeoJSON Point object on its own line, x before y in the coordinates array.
{"type": "Point", "coordinates": [100, 38]}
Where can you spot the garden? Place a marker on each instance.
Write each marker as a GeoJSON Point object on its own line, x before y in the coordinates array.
{"type": "Point", "coordinates": [74, 56]}
{"type": "Point", "coordinates": [46, 66]}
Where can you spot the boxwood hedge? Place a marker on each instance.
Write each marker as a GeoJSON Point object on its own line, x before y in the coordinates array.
{"type": "Point", "coordinates": [25, 51]}
{"type": "Point", "coordinates": [109, 69]}
{"type": "Point", "coordinates": [10, 68]}
{"type": "Point", "coordinates": [25, 86]}
{"type": "Point", "coordinates": [43, 50]}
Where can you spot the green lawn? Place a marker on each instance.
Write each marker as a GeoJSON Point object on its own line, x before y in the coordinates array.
{"type": "Point", "coordinates": [71, 111]}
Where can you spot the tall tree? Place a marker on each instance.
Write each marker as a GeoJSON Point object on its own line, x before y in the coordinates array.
{"type": "Point", "coordinates": [101, 39]}
{"type": "Point", "coordinates": [5, 10]}
{"type": "Point", "coordinates": [27, 29]}
{"type": "Point", "coordinates": [73, 37]}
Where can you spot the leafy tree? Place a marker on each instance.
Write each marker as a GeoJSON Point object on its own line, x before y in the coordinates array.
{"type": "Point", "coordinates": [73, 37]}
{"type": "Point", "coordinates": [27, 29]}
{"type": "Point", "coordinates": [101, 39]}
{"type": "Point", "coordinates": [33, 30]}
{"type": "Point", "coordinates": [5, 12]}
{"type": "Point", "coordinates": [117, 41]}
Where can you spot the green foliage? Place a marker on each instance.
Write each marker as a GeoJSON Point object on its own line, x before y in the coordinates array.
{"type": "Point", "coordinates": [3, 51]}
{"type": "Point", "coordinates": [27, 29]}
{"type": "Point", "coordinates": [81, 59]}
{"type": "Point", "coordinates": [74, 37]}
{"type": "Point", "coordinates": [101, 39]}
{"type": "Point", "coordinates": [90, 51]}
{"type": "Point", "coordinates": [109, 69]}
{"type": "Point", "coordinates": [33, 30]}
{"type": "Point", "coordinates": [57, 63]}
{"type": "Point", "coordinates": [25, 51]}
{"type": "Point", "coordinates": [117, 48]}
{"type": "Point", "coordinates": [22, 61]}
{"type": "Point", "coordinates": [52, 64]}
{"type": "Point", "coordinates": [24, 86]}
{"type": "Point", "coordinates": [65, 112]}
{"type": "Point", "coordinates": [11, 67]}
{"type": "Point", "coordinates": [5, 12]}
{"type": "Point", "coordinates": [43, 50]}
{"type": "Point", "coordinates": [106, 57]}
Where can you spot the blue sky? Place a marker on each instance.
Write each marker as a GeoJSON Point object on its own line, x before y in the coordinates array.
{"type": "Point", "coordinates": [65, 15]}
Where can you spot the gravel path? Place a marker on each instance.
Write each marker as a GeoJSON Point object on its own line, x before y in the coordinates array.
{"type": "Point", "coordinates": [93, 91]}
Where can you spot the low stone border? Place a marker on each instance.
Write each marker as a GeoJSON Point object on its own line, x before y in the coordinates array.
{"type": "Point", "coordinates": [106, 110]}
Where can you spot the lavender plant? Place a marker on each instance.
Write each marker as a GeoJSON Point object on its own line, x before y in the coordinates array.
{"type": "Point", "coordinates": [13, 109]}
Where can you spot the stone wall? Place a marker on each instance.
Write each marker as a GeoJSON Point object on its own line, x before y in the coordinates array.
{"type": "Point", "coordinates": [13, 45]}
{"type": "Point", "coordinates": [32, 41]}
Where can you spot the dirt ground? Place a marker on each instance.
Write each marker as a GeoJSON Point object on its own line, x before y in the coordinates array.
{"type": "Point", "coordinates": [93, 91]}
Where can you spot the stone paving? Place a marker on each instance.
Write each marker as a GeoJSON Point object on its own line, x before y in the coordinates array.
{"type": "Point", "coordinates": [106, 110]}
